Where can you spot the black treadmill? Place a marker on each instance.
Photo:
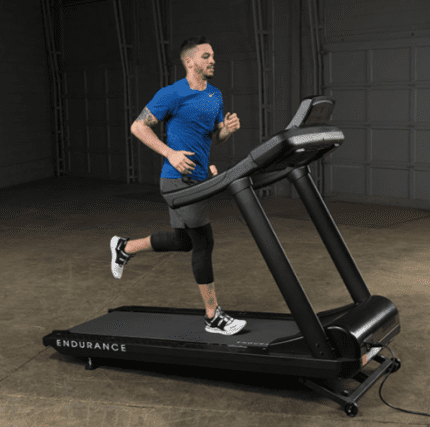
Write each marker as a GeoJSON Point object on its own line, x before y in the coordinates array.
{"type": "Point", "coordinates": [318, 348]}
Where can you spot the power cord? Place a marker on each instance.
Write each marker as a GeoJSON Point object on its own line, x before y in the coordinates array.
{"type": "Point", "coordinates": [373, 344]}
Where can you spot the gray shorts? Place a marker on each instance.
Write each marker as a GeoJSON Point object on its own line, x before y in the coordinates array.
{"type": "Point", "coordinates": [190, 216]}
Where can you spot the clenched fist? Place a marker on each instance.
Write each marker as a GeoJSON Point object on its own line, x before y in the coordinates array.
{"type": "Point", "coordinates": [231, 122]}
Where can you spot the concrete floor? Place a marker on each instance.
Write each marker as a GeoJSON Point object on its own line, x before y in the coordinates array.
{"type": "Point", "coordinates": [55, 274]}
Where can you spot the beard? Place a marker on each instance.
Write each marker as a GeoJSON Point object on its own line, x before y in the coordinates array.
{"type": "Point", "coordinates": [206, 73]}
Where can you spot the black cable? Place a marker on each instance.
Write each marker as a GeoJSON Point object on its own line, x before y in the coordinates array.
{"type": "Point", "coordinates": [371, 344]}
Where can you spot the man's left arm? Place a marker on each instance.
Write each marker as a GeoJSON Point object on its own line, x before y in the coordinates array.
{"type": "Point", "coordinates": [224, 130]}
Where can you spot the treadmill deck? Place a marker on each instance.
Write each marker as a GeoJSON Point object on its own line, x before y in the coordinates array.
{"type": "Point", "coordinates": [189, 328]}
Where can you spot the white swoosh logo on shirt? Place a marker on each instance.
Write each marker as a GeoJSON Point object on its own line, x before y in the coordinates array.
{"type": "Point", "coordinates": [212, 94]}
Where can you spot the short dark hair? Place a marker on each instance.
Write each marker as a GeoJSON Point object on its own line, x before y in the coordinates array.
{"type": "Point", "coordinates": [192, 43]}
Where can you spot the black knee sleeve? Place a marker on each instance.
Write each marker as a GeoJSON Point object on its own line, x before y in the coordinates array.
{"type": "Point", "coordinates": [203, 244]}
{"type": "Point", "coordinates": [168, 241]}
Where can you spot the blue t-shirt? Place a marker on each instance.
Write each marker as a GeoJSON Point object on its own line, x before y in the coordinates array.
{"type": "Point", "coordinates": [190, 116]}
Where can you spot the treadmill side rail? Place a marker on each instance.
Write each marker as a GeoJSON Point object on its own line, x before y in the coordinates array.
{"type": "Point", "coordinates": [226, 357]}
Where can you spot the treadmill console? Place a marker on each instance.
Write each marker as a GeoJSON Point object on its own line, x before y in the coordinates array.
{"type": "Point", "coordinates": [313, 111]}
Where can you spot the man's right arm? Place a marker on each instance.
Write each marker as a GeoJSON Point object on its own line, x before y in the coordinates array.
{"type": "Point", "coordinates": [141, 129]}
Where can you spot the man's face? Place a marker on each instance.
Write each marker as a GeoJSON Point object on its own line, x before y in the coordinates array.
{"type": "Point", "coordinates": [204, 62]}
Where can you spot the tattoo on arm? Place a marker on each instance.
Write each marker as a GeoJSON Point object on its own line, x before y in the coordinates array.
{"type": "Point", "coordinates": [147, 118]}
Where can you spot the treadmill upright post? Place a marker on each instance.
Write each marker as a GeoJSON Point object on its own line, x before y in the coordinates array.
{"type": "Point", "coordinates": [330, 234]}
{"type": "Point", "coordinates": [280, 267]}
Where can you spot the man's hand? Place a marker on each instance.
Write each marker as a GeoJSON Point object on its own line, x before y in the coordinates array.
{"type": "Point", "coordinates": [213, 170]}
{"type": "Point", "coordinates": [231, 122]}
{"type": "Point", "coordinates": [181, 162]}
{"type": "Point", "coordinates": [230, 125]}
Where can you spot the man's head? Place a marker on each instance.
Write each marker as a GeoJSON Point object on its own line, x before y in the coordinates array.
{"type": "Point", "coordinates": [197, 56]}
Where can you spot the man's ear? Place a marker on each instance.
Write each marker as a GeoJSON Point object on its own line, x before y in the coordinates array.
{"type": "Point", "coordinates": [187, 61]}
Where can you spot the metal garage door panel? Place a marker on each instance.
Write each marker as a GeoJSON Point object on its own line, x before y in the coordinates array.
{"type": "Point", "coordinates": [90, 21]}
{"type": "Point", "coordinates": [390, 105]}
{"type": "Point", "coordinates": [96, 84]}
{"type": "Point", "coordinates": [346, 67]}
{"type": "Point", "coordinates": [97, 139]}
{"type": "Point", "coordinates": [422, 62]}
{"type": "Point", "coordinates": [350, 105]}
{"type": "Point", "coordinates": [78, 163]}
{"type": "Point", "coordinates": [354, 151]}
{"type": "Point", "coordinates": [374, 18]}
{"type": "Point", "coordinates": [115, 82]}
{"type": "Point", "coordinates": [423, 105]}
{"type": "Point", "coordinates": [116, 138]}
{"type": "Point", "coordinates": [391, 145]}
{"type": "Point", "coordinates": [78, 135]}
{"type": "Point", "coordinates": [246, 75]}
{"type": "Point", "coordinates": [246, 106]}
{"type": "Point", "coordinates": [75, 83]}
{"type": "Point", "coordinates": [76, 112]}
{"type": "Point", "coordinates": [346, 179]}
{"type": "Point", "coordinates": [96, 110]}
{"type": "Point", "coordinates": [422, 147]}
{"type": "Point", "coordinates": [393, 183]}
{"type": "Point", "coordinates": [391, 65]}
{"type": "Point", "coordinates": [116, 113]}
{"type": "Point", "coordinates": [393, 112]}
{"type": "Point", "coordinates": [422, 187]}
{"type": "Point", "coordinates": [91, 112]}
{"type": "Point", "coordinates": [118, 167]}
{"type": "Point", "coordinates": [99, 165]}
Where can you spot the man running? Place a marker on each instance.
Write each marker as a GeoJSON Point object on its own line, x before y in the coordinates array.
{"type": "Point", "coordinates": [193, 111]}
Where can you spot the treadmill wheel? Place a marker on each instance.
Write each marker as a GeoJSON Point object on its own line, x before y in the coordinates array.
{"type": "Point", "coordinates": [351, 409]}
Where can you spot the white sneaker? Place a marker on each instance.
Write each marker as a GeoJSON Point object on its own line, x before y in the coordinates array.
{"type": "Point", "coordinates": [119, 257]}
{"type": "Point", "coordinates": [224, 324]}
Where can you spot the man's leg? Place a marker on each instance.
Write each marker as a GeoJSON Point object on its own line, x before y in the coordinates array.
{"type": "Point", "coordinates": [203, 243]}
{"type": "Point", "coordinates": [138, 245]}
{"type": "Point", "coordinates": [209, 298]}
{"type": "Point", "coordinates": [167, 241]}
{"type": "Point", "coordinates": [202, 239]}
{"type": "Point", "coordinates": [207, 291]}
{"type": "Point", "coordinates": [122, 249]}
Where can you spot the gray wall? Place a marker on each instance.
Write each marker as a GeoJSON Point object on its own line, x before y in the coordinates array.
{"type": "Point", "coordinates": [148, 82]}
{"type": "Point", "coordinates": [94, 97]}
{"type": "Point", "coordinates": [377, 67]}
{"type": "Point", "coordinates": [26, 143]}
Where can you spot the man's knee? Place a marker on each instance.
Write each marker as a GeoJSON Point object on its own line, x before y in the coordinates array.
{"type": "Point", "coordinates": [177, 241]}
{"type": "Point", "coordinates": [202, 238]}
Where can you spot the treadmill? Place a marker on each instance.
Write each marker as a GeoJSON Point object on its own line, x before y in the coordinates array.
{"type": "Point", "coordinates": [320, 349]}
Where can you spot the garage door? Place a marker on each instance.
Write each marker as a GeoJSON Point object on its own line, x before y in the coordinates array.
{"type": "Point", "coordinates": [378, 70]}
